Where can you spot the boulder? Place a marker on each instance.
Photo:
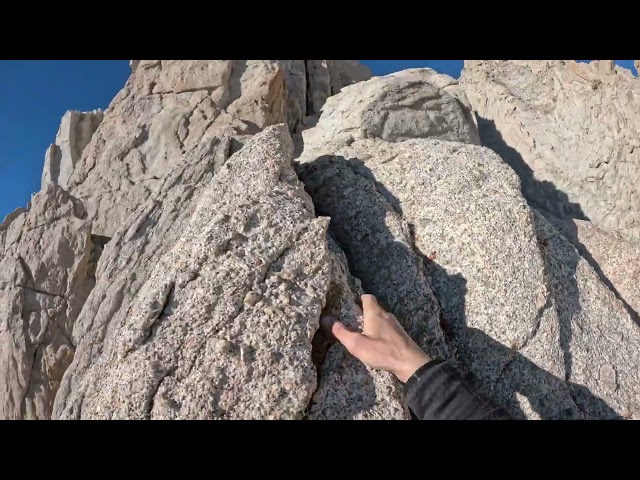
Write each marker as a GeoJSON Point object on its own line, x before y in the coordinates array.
{"type": "Point", "coordinates": [396, 107]}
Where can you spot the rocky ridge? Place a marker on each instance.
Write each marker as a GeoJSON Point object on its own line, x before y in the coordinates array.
{"type": "Point", "coordinates": [168, 107]}
{"type": "Point", "coordinates": [178, 258]}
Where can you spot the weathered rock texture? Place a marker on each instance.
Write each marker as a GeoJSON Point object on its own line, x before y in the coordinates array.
{"type": "Point", "coordinates": [310, 82]}
{"type": "Point", "coordinates": [47, 264]}
{"type": "Point", "coordinates": [206, 306]}
{"type": "Point", "coordinates": [168, 107]}
{"type": "Point", "coordinates": [347, 389]}
{"type": "Point", "coordinates": [400, 106]}
{"type": "Point", "coordinates": [74, 134]}
{"type": "Point", "coordinates": [526, 316]}
{"type": "Point", "coordinates": [570, 130]}
{"type": "Point", "coordinates": [222, 305]}
{"type": "Point", "coordinates": [139, 169]}
{"type": "Point", "coordinates": [217, 257]}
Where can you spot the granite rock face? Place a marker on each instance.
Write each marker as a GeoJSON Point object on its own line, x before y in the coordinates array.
{"type": "Point", "coordinates": [570, 130]}
{"type": "Point", "coordinates": [218, 253]}
{"type": "Point", "coordinates": [47, 265]}
{"type": "Point", "coordinates": [616, 261]}
{"type": "Point", "coordinates": [154, 228]}
{"type": "Point", "coordinates": [163, 138]}
{"type": "Point", "coordinates": [206, 306]}
{"type": "Point", "coordinates": [228, 302]}
{"type": "Point", "coordinates": [347, 389]}
{"type": "Point", "coordinates": [311, 82]}
{"type": "Point", "coordinates": [166, 109]}
{"type": "Point", "coordinates": [522, 312]}
{"type": "Point", "coordinates": [74, 134]}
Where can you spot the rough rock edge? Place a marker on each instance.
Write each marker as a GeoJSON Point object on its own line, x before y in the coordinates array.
{"type": "Point", "coordinates": [74, 134]}
{"type": "Point", "coordinates": [347, 389]}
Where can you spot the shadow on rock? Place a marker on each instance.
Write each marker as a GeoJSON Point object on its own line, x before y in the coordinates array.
{"type": "Point", "coordinates": [392, 270]}
{"type": "Point", "coordinates": [551, 202]}
{"type": "Point", "coordinates": [549, 396]}
{"type": "Point", "coordinates": [371, 233]}
{"type": "Point", "coordinates": [542, 195]}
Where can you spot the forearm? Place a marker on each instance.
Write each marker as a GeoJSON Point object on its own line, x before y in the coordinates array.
{"type": "Point", "coordinates": [437, 391]}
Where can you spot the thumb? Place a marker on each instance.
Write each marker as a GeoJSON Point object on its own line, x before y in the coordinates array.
{"type": "Point", "coordinates": [350, 340]}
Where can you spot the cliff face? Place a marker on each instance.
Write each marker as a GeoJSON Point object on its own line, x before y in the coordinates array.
{"type": "Point", "coordinates": [169, 107]}
{"type": "Point", "coordinates": [180, 254]}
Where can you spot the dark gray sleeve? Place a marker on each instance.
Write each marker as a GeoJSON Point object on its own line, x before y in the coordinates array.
{"type": "Point", "coordinates": [437, 391]}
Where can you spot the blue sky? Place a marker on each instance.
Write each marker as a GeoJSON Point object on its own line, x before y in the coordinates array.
{"type": "Point", "coordinates": [37, 93]}
{"type": "Point", "coordinates": [35, 96]}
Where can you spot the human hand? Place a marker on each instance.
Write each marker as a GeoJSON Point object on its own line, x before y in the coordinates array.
{"type": "Point", "coordinates": [383, 343]}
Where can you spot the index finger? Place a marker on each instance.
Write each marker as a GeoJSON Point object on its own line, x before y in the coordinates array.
{"type": "Point", "coordinates": [370, 305]}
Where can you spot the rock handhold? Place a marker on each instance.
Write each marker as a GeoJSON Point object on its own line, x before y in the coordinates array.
{"type": "Point", "coordinates": [347, 389]}
{"type": "Point", "coordinates": [377, 243]}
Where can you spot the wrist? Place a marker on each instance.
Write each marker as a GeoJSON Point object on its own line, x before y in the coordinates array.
{"type": "Point", "coordinates": [414, 360]}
